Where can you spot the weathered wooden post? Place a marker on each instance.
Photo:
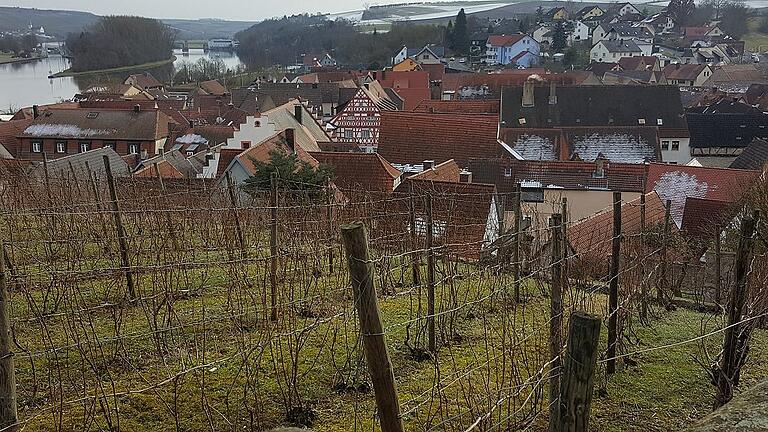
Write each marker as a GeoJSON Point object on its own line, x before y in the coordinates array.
{"type": "Point", "coordinates": [555, 320]}
{"type": "Point", "coordinates": [613, 292]}
{"type": "Point", "coordinates": [233, 201]}
{"type": "Point", "coordinates": [122, 240]}
{"type": "Point", "coordinates": [430, 277]}
{"type": "Point", "coordinates": [273, 246]}
{"type": "Point", "coordinates": [664, 243]}
{"type": "Point", "coordinates": [579, 372]}
{"type": "Point", "coordinates": [718, 265]}
{"type": "Point", "coordinates": [518, 204]}
{"type": "Point", "coordinates": [168, 219]}
{"type": "Point", "coordinates": [8, 413]}
{"type": "Point", "coordinates": [374, 345]}
{"type": "Point", "coordinates": [643, 285]}
{"type": "Point", "coordinates": [329, 198]}
{"type": "Point", "coordinates": [416, 256]}
{"type": "Point", "coordinates": [735, 344]}
{"type": "Point", "coordinates": [564, 225]}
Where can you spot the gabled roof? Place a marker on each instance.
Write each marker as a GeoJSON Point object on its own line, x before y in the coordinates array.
{"type": "Point", "coordinates": [261, 152]}
{"type": "Point", "coordinates": [702, 216]}
{"type": "Point", "coordinates": [408, 137]}
{"type": "Point", "coordinates": [589, 105]}
{"type": "Point", "coordinates": [754, 157]}
{"type": "Point", "coordinates": [9, 132]}
{"type": "Point", "coordinates": [309, 133]}
{"type": "Point", "coordinates": [96, 123]}
{"type": "Point", "coordinates": [492, 84]}
{"type": "Point", "coordinates": [505, 40]}
{"type": "Point", "coordinates": [448, 171]}
{"type": "Point", "coordinates": [360, 171]}
{"type": "Point", "coordinates": [600, 68]}
{"type": "Point", "coordinates": [94, 159]}
{"type": "Point", "coordinates": [679, 182]}
{"type": "Point", "coordinates": [688, 72]}
{"type": "Point", "coordinates": [213, 87]}
{"type": "Point", "coordinates": [628, 30]}
{"type": "Point", "coordinates": [620, 46]}
{"type": "Point", "coordinates": [638, 62]}
{"type": "Point", "coordinates": [697, 31]}
{"type": "Point", "coordinates": [732, 130]}
{"type": "Point", "coordinates": [591, 237]}
{"type": "Point", "coordinates": [143, 81]}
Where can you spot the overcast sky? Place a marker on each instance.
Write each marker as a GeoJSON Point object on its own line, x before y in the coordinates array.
{"type": "Point", "coordinates": [245, 10]}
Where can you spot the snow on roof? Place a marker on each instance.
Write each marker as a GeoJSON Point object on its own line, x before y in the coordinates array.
{"type": "Point", "coordinates": [65, 130]}
{"type": "Point", "coordinates": [535, 147]}
{"type": "Point", "coordinates": [192, 139]}
{"type": "Point", "coordinates": [677, 186]}
{"type": "Point", "coordinates": [617, 147]}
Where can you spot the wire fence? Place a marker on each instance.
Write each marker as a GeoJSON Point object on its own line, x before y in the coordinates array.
{"type": "Point", "coordinates": [190, 305]}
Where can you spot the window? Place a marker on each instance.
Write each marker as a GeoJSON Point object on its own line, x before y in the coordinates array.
{"type": "Point", "coordinates": [85, 146]}
{"type": "Point", "coordinates": [245, 145]}
{"type": "Point", "coordinates": [110, 144]}
{"type": "Point", "coordinates": [665, 145]}
{"type": "Point", "coordinates": [61, 147]}
{"type": "Point", "coordinates": [349, 133]}
{"type": "Point", "coordinates": [133, 148]}
{"type": "Point", "coordinates": [37, 146]}
{"type": "Point", "coordinates": [599, 169]}
{"type": "Point", "coordinates": [508, 172]}
{"type": "Point", "coordinates": [366, 134]}
{"type": "Point", "coordinates": [675, 145]}
{"type": "Point", "coordinates": [660, 122]}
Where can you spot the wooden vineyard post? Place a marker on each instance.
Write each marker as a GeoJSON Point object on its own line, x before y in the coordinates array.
{"type": "Point", "coordinates": [416, 257]}
{"type": "Point", "coordinates": [8, 413]}
{"type": "Point", "coordinates": [516, 245]}
{"type": "Point", "coordinates": [564, 234]}
{"type": "Point", "coordinates": [735, 345]}
{"type": "Point", "coordinates": [664, 243]}
{"type": "Point", "coordinates": [643, 285]}
{"type": "Point", "coordinates": [374, 345]}
{"type": "Point", "coordinates": [122, 240]}
{"type": "Point", "coordinates": [236, 216]}
{"type": "Point", "coordinates": [273, 246]}
{"type": "Point", "coordinates": [329, 217]}
{"type": "Point", "coordinates": [430, 278]}
{"type": "Point", "coordinates": [579, 372]}
{"type": "Point", "coordinates": [718, 264]}
{"type": "Point", "coordinates": [613, 291]}
{"type": "Point", "coordinates": [168, 219]}
{"type": "Point", "coordinates": [556, 319]}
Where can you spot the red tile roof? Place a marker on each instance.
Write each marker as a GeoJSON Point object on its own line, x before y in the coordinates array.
{"type": "Point", "coordinates": [226, 156]}
{"type": "Point", "coordinates": [277, 142]}
{"type": "Point", "coordinates": [167, 170]}
{"type": "Point", "coordinates": [413, 97]}
{"type": "Point", "coordinates": [9, 132]}
{"type": "Point", "coordinates": [448, 171]}
{"type": "Point", "coordinates": [412, 86]}
{"type": "Point", "coordinates": [679, 182]}
{"type": "Point", "coordinates": [490, 106]}
{"type": "Point", "coordinates": [360, 171]}
{"type": "Point", "coordinates": [591, 237]}
{"type": "Point", "coordinates": [701, 217]}
{"type": "Point", "coordinates": [504, 40]}
{"type": "Point", "coordinates": [408, 137]}
{"type": "Point", "coordinates": [637, 62]}
{"type": "Point", "coordinates": [687, 72]}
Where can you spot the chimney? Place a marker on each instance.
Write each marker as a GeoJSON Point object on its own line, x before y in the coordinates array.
{"type": "Point", "coordinates": [35, 111]}
{"type": "Point", "coordinates": [137, 108]}
{"type": "Point", "coordinates": [528, 98]}
{"type": "Point", "coordinates": [465, 176]}
{"type": "Point", "coordinates": [298, 111]}
{"type": "Point", "coordinates": [552, 93]}
{"type": "Point", "coordinates": [429, 164]}
{"type": "Point", "coordinates": [144, 154]}
{"type": "Point", "coordinates": [290, 138]}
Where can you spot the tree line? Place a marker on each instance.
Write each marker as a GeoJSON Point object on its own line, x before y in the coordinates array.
{"type": "Point", "coordinates": [118, 41]}
{"type": "Point", "coordinates": [18, 45]}
{"type": "Point", "coordinates": [732, 15]}
{"type": "Point", "coordinates": [285, 40]}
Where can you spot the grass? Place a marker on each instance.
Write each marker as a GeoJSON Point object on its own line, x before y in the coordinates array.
{"type": "Point", "coordinates": [6, 58]}
{"type": "Point", "coordinates": [131, 68]}
{"type": "Point", "coordinates": [755, 41]}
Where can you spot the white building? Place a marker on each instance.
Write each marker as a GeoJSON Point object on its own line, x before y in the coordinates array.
{"type": "Point", "coordinates": [610, 51]}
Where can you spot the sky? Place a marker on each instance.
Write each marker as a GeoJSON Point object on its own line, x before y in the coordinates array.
{"type": "Point", "coordinates": [242, 10]}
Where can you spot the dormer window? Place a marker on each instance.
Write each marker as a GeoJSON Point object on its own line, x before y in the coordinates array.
{"type": "Point", "coordinates": [641, 121]}
{"type": "Point", "coordinates": [659, 122]}
{"type": "Point", "coordinates": [521, 120]}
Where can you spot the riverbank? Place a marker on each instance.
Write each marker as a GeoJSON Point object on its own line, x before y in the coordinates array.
{"type": "Point", "coordinates": [152, 65]}
{"type": "Point", "coordinates": [7, 59]}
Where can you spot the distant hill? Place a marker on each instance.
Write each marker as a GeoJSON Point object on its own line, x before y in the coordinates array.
{"type": "Point", "coordinates": [59, 23]}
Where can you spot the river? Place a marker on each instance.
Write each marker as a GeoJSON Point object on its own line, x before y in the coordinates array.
{"type": "Point", "coordinates": [26, 84]}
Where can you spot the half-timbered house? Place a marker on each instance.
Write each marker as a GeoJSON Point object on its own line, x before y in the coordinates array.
{"type": "Point", "coordinates": [357, 123]}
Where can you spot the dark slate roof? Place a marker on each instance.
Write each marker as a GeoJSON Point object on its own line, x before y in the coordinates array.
{"type": "Point", "coordinates": [620, 46]}
{"type": "Point", "coordinates": [730, 106]}
{"type": "Point", "coordinates": [627, 30]}
{"type": "Point", "coordinates": [281, 93]}
{"type": "Point", "coordinates": [754, 157]}
{"type": "Point", "coordinates": [726, 130]}
{"type": "Point", "coordinates": [620, 105]}
{"type": "Point", "coordinates": [95, 163]}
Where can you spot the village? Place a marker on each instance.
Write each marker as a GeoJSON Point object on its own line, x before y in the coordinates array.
{"type": "Point", "coordinates": [166, 245]}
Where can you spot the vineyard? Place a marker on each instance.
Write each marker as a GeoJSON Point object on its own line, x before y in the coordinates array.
{"type": "Point", "coordinates": [178, 305]}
